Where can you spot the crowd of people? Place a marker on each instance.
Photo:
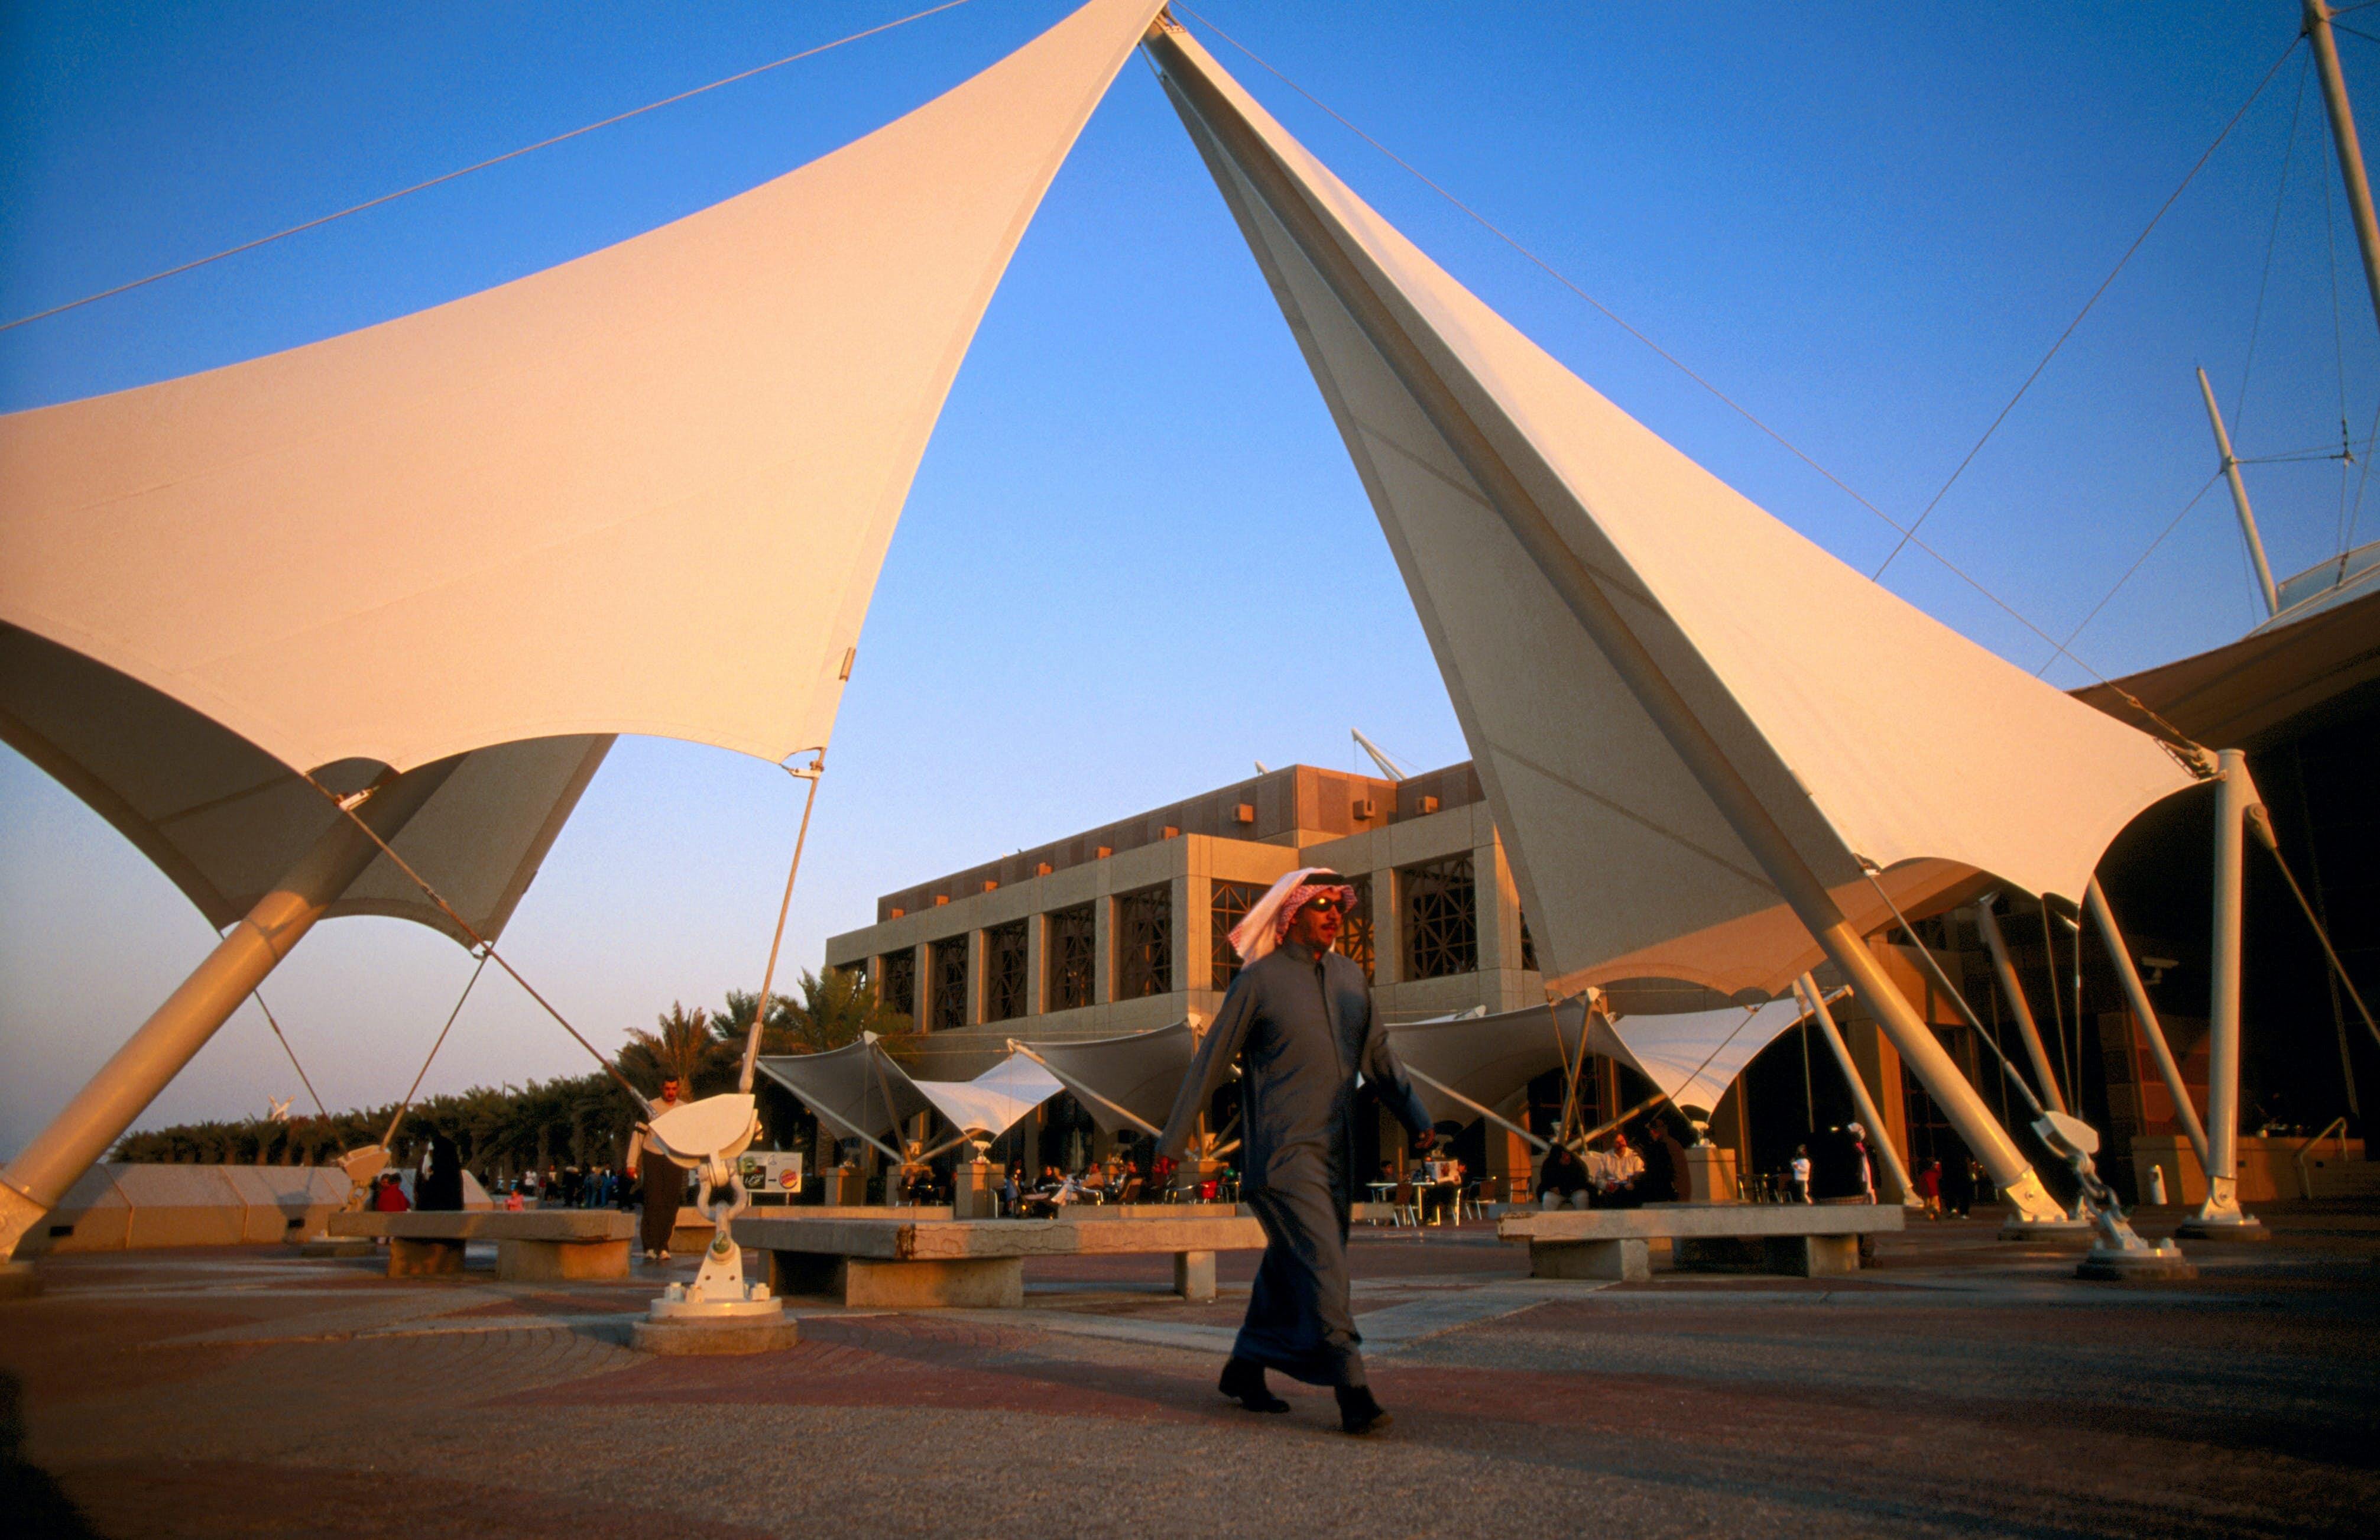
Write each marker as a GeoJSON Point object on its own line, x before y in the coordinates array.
{"type": "Point", "coordinates": [1615, 1172]}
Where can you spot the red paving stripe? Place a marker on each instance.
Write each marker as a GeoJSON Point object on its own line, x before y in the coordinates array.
{"type": "Point", "coordinates": [1932, 1316]}
{"type": "Point", "coordinates": [827, 1374]}
{"type": "Point", "coordinates": [173, 1499]}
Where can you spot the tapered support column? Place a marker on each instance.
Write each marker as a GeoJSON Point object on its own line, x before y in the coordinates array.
{"type": "Point", "coordinates": [1869, 1115]}
{"type": "Point", "coordinates": [2168, 1071]}
{"type": "Point", "coordinates": [2027, 1028]}
{"type": "Point", "coordinates": [2220, 1214]}
{"type": "Point", "coordinates": [98, 1116]}
{"type": "Point", "coordinates": [2240, 499]}
{"type": "Point", "coordinates": [2351, 153]}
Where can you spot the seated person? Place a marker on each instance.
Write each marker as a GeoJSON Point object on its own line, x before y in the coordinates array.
{"type": "Point", "coordinates": [1561, 1180]}
{"type": "Point", "coordinates": [1620, 1184]}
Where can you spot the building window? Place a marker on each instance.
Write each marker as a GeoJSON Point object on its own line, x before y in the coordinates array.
{"type": "Point", "coordinates": [900, 981]}
{"type": "Point", "coordinates": [1528, 946]}
{"type": "Point", "coordinates": [949, 1007]}
{"type": "Point", "coordinates": [1230, 904]}
{"type": "Point", "coordinates": [1073, 957]}
{"type": "Point", "coordinates": [1355, 935]}
{"type": "Point", "coordinates": [1144, 925]}
{"type": "Point", "coordinates": [1003, 971]}
{"type": "Point", "coordinates": [1441, 918]}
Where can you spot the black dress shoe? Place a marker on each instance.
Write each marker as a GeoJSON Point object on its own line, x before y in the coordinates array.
{"type": "Point", "coordinates": [1243, 1381]}
{"type": "Point", "coordinates": [1358, 1412]}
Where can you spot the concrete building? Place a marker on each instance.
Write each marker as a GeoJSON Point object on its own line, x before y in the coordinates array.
{"type": "Point", "coordinates": [1125, 928]}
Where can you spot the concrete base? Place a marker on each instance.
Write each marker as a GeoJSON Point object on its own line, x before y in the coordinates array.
{"type": "Point", "coordinates": [1194, 1275]}
{"type": "Point", "coordinates": [419, 1258]}
{"type": "Point", "coordinates": [18, 1281]}
{"type": "Point", "coordinates": [2051, 1232]}
{"type": "Point", "coordinates": [688, 1339]}
{"type": "Point", "coordinates": [974, 1190]}
{"type": "Point", "coordinates": [2106, 1264]}
{"type": "Point", "coordinates": [2247, 1227]}
{"type": "Point", "coordinates": [1710, 1175]}
{"type": "Point", "coordinates": [1792, 1256]}
{"type": "Point", "coordinates": [548, 1261]}
{"type": "Point", "coordinates": [336, 1245]}
{"type": "Point", "coordinates": [1622, 1261]}
{"type": "Point", "coordinates": [959, 1283]}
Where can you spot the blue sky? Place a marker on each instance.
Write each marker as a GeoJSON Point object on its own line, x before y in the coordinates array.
{"type": "Point", "coordinates": [1866, 225]}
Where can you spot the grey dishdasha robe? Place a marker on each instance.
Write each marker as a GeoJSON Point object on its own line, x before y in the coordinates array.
{"type": "Point", "coordinates": [1302, 1025]}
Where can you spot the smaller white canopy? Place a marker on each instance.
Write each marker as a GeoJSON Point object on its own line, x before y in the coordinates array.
{"type": "Point", "coordinates": [991, 1103]}
{"type": "Point", "coordinates": [856, 1088]}
{"type": "Point", "coordinates": [1136, 1074]}
{"type": "Point", "coordinates": [1693, 1056]}
{"type": "Point", "coordinates": [1486, 1059]}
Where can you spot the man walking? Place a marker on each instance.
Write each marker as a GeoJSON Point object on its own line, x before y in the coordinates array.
{"type": "Point", "coordinates": [1299, 1018]}
{"type": "Point", "coordinates": [664, 1179]}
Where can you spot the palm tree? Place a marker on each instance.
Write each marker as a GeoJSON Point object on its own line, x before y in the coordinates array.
{"type": "Point", "coordinates": [833, 1011]}
{"type": "Point", "coordinates": [686, 1049]}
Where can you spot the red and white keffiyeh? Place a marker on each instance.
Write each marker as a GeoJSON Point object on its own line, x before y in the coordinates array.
{"type": "Point", "coordinates": [1267, 920]}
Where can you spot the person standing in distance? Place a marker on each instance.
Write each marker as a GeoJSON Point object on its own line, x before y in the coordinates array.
{"type": "Point", "coordinates": [1299, 1018]}
{"type": "Point", "coordinates": [664, 1179]}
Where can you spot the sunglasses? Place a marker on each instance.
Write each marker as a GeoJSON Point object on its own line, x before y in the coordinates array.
{"type": "Point", "coordinates": [1328, 905]}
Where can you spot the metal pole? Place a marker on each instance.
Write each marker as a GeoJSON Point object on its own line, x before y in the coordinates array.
{"type": "Point", "coordinates": [1609, 631]}
{"type": "Point", "coordinates": [769, 975]}
{"type": "Point", "coordinates": [1499, 1120]}
{"type": "Point", "coordinates": [99, 1114]}
{"type": "Point", "coordinates": [2351, 153]}
{"type": "Point", "coordinates": [2220, 1213]}
{"type": "Point", "coordinates": [2096, 900]}
{"type": "Point", "coordinates": [2240, 499]}
{"type": "Point", "coordinates": [1988, 923]}
{"type": "Point", "coordinates": [1808, 989]}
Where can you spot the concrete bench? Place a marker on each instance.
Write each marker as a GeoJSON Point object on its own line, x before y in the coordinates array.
{"type": "Point", "coordinates": [532, 1245]}
{"type": "Point", "coordinates": [973, 1264]}
{"type": "Point", "coordinates": [1798, 1239]}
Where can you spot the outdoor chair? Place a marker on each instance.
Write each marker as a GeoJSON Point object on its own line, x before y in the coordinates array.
{"type": "Point", "coordinates": [1404, 1208]}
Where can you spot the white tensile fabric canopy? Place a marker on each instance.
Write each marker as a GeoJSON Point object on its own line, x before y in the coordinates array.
{"type": "Point", "coordinates": [1489, 1059]}
{"type": "Point", "coordinates": [1693, 1056]}
{"type": "Point", "coordinates": [862, 1090]}
{"type": "Point", "coordinates": [1138, 1072]}
{"type": "Point", "coordinates": [1867, 731]}
{"type": "Point", "coordinates": [991, 1103]}
{"type": "Point", "coordinates": [856, 1088]}
{"type": "Point", "coordinates": [223, 820]}
{"type": "Point", "coordinates": [467, 527]}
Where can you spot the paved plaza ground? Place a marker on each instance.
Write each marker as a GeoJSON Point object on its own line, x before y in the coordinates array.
{"type": "Point", "coordinates": [1959, 1387]}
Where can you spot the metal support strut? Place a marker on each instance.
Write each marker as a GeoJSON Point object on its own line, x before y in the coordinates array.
{"type": "Point", "coordinates": [2221, 1214]}
{"type": "Point", "coordinates": [99, 1114]}
{"type": "Point", "coordinates": [1873, 1120]}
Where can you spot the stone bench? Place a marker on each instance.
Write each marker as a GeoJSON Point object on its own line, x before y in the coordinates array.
{"type": "Point", "coordinates": [1797, 1239]}
{"type": "Point", "coordinates": [532, 1245]}
{"type": "Point", "coordinates": [973, 1264]}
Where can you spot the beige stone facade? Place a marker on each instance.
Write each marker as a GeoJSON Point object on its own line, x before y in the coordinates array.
{"type": "Point", "coordinates": [951, 945]}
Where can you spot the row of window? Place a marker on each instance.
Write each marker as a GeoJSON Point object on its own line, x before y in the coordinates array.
{"type": "Point", "coordinates": [1441, 939]}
